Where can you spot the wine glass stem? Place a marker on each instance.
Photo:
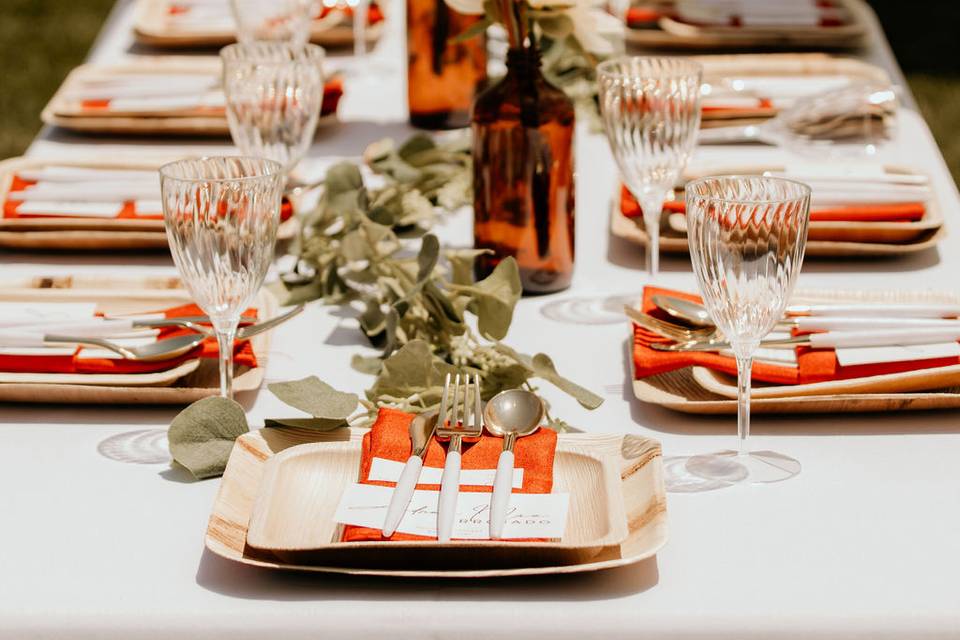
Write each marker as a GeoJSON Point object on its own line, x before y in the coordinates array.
{"type": "Point", "coordinates": [744, 368]}
{"type": "Point", "coordinates": [360, 12]}
{"type": "Point", "coordinates": [225, 343]}
{"type": "Point", "coordinates": [651, 220]}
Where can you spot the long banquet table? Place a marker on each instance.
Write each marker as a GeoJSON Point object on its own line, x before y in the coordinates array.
{"type": "Point", "coordinates": [864, 543]}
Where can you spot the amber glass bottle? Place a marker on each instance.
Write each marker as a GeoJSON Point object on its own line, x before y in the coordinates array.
{"type": "Point", "coordinates": [523, 132]}
{"type": "Point", "coordinates": [442, 78]}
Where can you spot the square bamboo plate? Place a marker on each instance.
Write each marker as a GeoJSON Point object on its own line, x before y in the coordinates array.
{"type": "Point", "coordinates": [672, 34]}
{"type": "Point", "coordinates": [63, 111]}
{"type": "Point", "coordinates": [184, 384]}
{"type": "Point", "coordinates": [88, 234]}
{"type": "Point", "coordinates": [152, 28]}
{"type": "Point", "coordinates": [718, 69]}
{"type": "Point", "coordinates": [638, 462]}
{"type": "Point", "coordinates": [302, 486]}
{"type": "Point", "coordinates": [701, 390]}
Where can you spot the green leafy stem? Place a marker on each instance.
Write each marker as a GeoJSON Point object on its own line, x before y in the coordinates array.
{"type": "Point", "coordinates": [422, 309]}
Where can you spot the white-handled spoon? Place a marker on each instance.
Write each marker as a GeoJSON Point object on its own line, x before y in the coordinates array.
{"type": "Point", "coordinates": [510, 414]}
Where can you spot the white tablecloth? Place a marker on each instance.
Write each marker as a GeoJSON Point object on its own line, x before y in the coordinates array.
{"type": "Point", "coordinates": [864, 543]}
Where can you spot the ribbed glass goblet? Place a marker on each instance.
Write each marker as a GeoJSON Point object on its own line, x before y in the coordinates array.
{"type": "Point", "coordinates": [286, 21]}
{"type": "Point", "coordinates": [747, 236]}
{"type": "Point", "coordinates": [274, 93]}
{"type": "Point", "coordinates": [651, 113]}
{"type": "Point", "coordinates": [221, 216]}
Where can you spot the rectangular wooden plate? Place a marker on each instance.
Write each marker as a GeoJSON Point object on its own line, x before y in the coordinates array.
{"type": "Point", "coordinates": [302, 486]}
{"type": "Point", "coordinates": [181, 385]}
{"type": "Point", "coordinates": [700, 390]}
{"type": "Point", "coordinates": [62, 111]}
{"type": "Point", "coordinates": [88, 234]}
{"type": "Point", "coordinates": [671, 34]}
{"type": "Point", "coordinates": [151, 28]}
{"type": "Point", "coordinates": [641, 490]}
{"type": "Point", "coordinates": [720, 69]}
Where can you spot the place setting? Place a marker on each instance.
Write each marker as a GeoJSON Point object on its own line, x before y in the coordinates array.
{"type": "Point", "coordinates": [176, 24]}
{"type": "Point", "coordinates": [744, 24]}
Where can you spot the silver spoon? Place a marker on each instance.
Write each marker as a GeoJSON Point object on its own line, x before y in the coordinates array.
{"type": "Point", "coordinates": [159, 350]}
{"type": "Point", "coordinates": [684, 310]}
{"type": "Point", "coordinates": [510, 414]}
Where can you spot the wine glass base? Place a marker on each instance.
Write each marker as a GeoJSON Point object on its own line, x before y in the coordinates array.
{"type": "Point", "coordinates": [756, 467]}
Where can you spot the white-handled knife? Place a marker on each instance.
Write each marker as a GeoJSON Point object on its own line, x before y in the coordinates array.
{"type": "Point", "coordinates": [422, 429]}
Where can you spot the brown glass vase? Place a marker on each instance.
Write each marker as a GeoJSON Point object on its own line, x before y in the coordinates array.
{"type": "Point", "coordinates": [443, 78]}
{"type": "Point", "coordinates": [523, 133]}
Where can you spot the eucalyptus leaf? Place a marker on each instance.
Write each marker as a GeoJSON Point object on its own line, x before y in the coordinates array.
{"type": "Point", "coordinates": [201, 436]}
{"type": "Point", "coordinates": [476, 29]}
{"type": "Point", "coordinates": [315, 397]}
{"type": "Point", "coordinates": [494, 298]}
{"type": "Point", "coordinates": [428, 256]}
{"type": "Point", "coordinates": [544, 368]}
{"type": "Point", "coordinates": [314, 424]}
{"type": "Point", "coordinates": [369, 365]}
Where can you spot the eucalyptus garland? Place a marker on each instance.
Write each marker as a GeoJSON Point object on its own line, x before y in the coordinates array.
{"type": "Point", "coordinates": [417, 303]}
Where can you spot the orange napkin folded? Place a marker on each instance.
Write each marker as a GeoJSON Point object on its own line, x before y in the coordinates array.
{"type": "Point", "coordinates": [389, 438]}
{"type": "Point", "coordinates": [905, 212]}
{"type": "Point", "coordinates": [813, 365]}
{"type": "Point", "coordinates": [77, 363]}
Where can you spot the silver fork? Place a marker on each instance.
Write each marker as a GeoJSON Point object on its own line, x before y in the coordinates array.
{"type": "Point", "coordinates": [453, 425]}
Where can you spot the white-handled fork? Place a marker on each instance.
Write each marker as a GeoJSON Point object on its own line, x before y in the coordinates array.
{"type": "Point", "coordinates": [454, 425]}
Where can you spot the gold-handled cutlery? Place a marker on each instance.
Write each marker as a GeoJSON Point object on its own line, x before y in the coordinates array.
{"type": "Point", "coordinates": [158, 350]}
{"type": "Point", "coordinates": [454, 426]}
{"type": "Point", "coordinates": [422, 428]}
{"type": "Point", "coordinates": [833, 340]}
{"type": "Point", "coordinates": [510, 414]}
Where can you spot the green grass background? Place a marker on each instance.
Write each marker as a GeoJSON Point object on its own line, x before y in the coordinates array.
{"type": "Point", "coordinates": [41, 40]}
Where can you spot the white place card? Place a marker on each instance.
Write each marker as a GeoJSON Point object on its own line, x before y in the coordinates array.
{"type": "Point", "coordinates": [13, 314]}
{"type": "Point", "coordinates": [850, 356]}
{"type": "Point", "coordinates": [530, 515]}
{"type": "Point", "coordinates": [390, 470]}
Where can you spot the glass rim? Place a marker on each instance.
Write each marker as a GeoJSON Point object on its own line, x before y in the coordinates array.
{"type": "Point", "coordinates": [805, 188]}
{"type": "Point", "coordinates": [273, 168]}
{"type": "Point", "coordinates": [315, 51]}
{"type": "Point", "coordinates": [606, 67]}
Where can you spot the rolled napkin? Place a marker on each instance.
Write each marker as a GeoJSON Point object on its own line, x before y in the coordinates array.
{"type": "Point", "coordinates": [389, 439]}
{"type": "Point", "coordinates": [33, 362]}
{"type": "Point", "coordinates": [813, 365]}
{"type": "Point", "coordinates": [881, 212]}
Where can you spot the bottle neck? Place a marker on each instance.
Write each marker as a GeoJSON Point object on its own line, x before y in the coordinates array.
{"type": "Point", "coordinates": [524, 62]}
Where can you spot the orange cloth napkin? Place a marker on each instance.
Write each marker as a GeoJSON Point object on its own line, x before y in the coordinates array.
{"type": "Point", "coordinates": [907, 212]}
{"type": "Point", "coordinates": [76, 363]}
{"type": "Point", "coordinates": [389, 438]}
{"type": "Point", "coordinates": [813, 365]}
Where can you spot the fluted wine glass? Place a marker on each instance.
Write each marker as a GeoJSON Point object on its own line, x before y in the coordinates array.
{"type": "Point", "coordinates": [284, 21]}
{"type": "Point", "coordinates": [651, 113]}
{"type": "Point", "coordinates": [221, 216]}
{"type": "Point", "coordinates": [274, 92]}
{"type": "Point", "coordinates": [747, 236]}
